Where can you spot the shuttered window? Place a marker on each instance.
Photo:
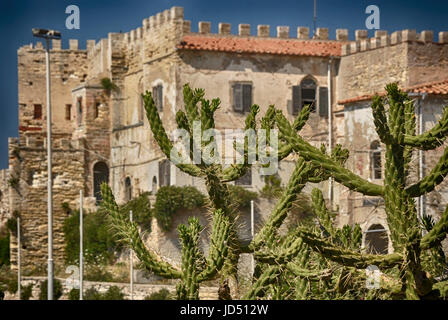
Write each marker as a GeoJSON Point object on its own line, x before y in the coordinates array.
{"type": "Point", "coordinates": [157, 95]}
{"type": "Point", "coordinates": [323, 101]}
{"type": "Point", "coordinates": [164, 173]}
{"type": "Point", "coordinates": [296, 105]}
{"type": "Point", "coordinates": [242, 97]}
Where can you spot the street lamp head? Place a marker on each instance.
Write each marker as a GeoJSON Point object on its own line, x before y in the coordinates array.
{"type": "Point", "coordinates": [47, 34]}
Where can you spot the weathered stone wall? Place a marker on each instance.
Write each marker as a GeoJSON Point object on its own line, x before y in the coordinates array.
{"type": "Point", "coordinates": [4, 197]}
{"type": "Point", "coordinates": [141, 291]}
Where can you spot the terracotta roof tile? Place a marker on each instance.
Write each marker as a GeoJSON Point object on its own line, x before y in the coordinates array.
{"type": "Point", "coordinates": [438, 87]}
{"type": "Point", "coordinates": [262, 45]}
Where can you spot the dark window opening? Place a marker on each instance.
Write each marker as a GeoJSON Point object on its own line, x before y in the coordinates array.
{"type": "Point", "coordinates": [68, 112]}
{"type": "Point", "coordinates": [157, 95]}
{"type": "Point", "coordinates": [308, 93]}
{"type": "Point", "coordinates": [79, 110]}
{"type": "Point", "coordinates": [37, 112]}
{"type": "Point", "coordinates": [242, 97]}
{"type": "Point", "coordinates": [245, 180]}
{"type": "Point", "coordinates": [377, 241]}
{"type": "Point", "coordinates": [154, 185]}
{"type": "Point", "coordinates": [375, 160]}
{"type": "Point", "coordinates": [100, 175]}
{"type": "Point", "coordinates": [127, 189]}
{"type": "Point", "coordinates": [164, 173]}
{"type": "Point", "coordinates": [97, 109]}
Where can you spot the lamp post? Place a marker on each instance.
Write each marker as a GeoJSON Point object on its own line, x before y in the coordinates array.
{"type": "Point", "coordinates": [47, 35]}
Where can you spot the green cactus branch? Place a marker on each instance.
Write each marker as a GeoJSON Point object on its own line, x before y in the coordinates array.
{"type": "Point", "coordinates": [318, 159]}
{"type": "Point", "coordinates": [434, 178]}
{"type": "Point", "coordinates": [128, 232]}
{"type": "Point", "coordinates": [269, 276]}
{"type": "Point", "coordinates": [348, 257]}
{"type": "Point", "coordinates": [437, 234]}
{"type": "Point", "coordinates": [432, 138]}
{"type": "Point", "coordinates": [380, 120]}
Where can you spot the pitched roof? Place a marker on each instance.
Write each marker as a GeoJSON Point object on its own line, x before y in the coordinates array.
{"type": "Point", "coordinates": [438, 87]}
{"type": "Point", "coordinates": [262, 45]}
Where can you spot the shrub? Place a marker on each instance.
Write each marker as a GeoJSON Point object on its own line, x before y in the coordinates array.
{"type": "Point", "coordinates": [113, 293]}
{"type": "Point", "coordinates": [170, 199]}
{"type": "Point", "coordinates": [27, 292]}
{"type": "Point", "coordinates": [98, 273]}
{"type": "Point", "coordinates": [57, 290]}
{"type": "Point", "coordinates": [162, 294]}
{"type": "Point", "coordinates": [73, 294]}
{"type": "Point", "coordinates": [272, 188]}
{"type": "Point", "coordinates": [241, 197]}
{"type": "Point", "coordinates": [91, 294]}
{"type": "Point", "coordinates": [99, 243]}
{"type": "Point", "coordinates": [4, 250]}
{"type": "Point", "coordinates": [108, 85]}
{"type": "Point", "coordinates": [141, 210]}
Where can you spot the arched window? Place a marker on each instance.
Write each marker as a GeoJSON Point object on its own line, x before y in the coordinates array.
{"type": "Point", "coordinates": [308, 92]}
{"type": "Point", "coordinates": [376, 239]}
{"type": "Point", "coordinates": [375, 160]}
{"type": "Point", "coordinates": [154, 185]}
{"type": "Point", "coordinates": [127, 189]}
{"type": "Point", "coordinates": [100, 175]}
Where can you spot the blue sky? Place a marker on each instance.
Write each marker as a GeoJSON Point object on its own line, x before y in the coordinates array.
{"type": "Point", "coordinates": [98, 17]}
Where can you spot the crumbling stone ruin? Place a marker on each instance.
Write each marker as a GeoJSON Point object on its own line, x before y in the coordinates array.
{"type": "Point", "coordinates": [101, 134]}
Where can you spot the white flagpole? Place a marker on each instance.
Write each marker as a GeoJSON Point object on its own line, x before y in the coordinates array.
{"type": "Point", "coordinates": [252, 232]}
{"type": "Point", "coordinates": [19, 276]}
{"type": "Point", "coordinates": [81, 247]}
{"type": "Point", "coordinates": [131, 263]}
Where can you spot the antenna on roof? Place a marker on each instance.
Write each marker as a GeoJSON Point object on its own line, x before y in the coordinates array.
{"type": "Point", "coordinates": [315, 18]}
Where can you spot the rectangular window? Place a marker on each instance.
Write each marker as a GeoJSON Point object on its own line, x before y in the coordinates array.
{"type": "Point", "coordinates": [97, 109]}
{"type": "Point", "coordinates": [37, 112]}
{"type": "Point", "coordinates": [242, 97]}
{"type": "Point", "coordinates": [68, 112]}
{"type": "Point", "coordinates": [157, 95]}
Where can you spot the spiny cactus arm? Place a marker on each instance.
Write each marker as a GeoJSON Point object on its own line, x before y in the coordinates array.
{"type": "Point", "coordinates": [236, 171]}
{"type": "Point", "coordinates": [309, 274]}
{"type": "Point", "coordinates": [318, 159]}
{"type": "Point", "coordinates": [191, 259]}
{"type": "Point", "coordinates": [296, 183]}
{"type": "Point", "coordinates": [128, 233]}
{"type": "Point", "coordinates": [409, 127]}
{"type": "Point", "coordinates": [433, 138]}
{"type": "Point", "coordinates": [434, 237]}
{"type": "Point", "coordinates": [191, 100]}
{"type": "Point", "coordinates": [320, 209]}
{"type": "Point", "coordinates": [380, 120]}
{"type": "Point", "coordinates": [345, 256]}
{"type": "Point", "coordinates": [161, 137]}
{"type": "Point", "coordinates": [302, 118]}
{"type": "Point", "coordinates": [434, 178]}
{"type": "Point", "coordinates": [268, 277]}
{"type": "Point", "coordinates": [442, 286]}
{"type": "Point", "coordinates": [292, 248]}
{"type": "Point", "coordinates": [218, 246]}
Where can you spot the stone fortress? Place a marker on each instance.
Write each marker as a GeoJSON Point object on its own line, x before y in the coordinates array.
{"type": "Point", "coordinates": [102, 135]}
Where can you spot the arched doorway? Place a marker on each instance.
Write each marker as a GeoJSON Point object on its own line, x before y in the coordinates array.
{"type": "Point", "coordinates": [376, 240]}
{"type": "Point", "coordinates": [100, 175]}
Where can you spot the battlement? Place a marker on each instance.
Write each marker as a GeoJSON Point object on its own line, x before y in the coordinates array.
{"type": "Point", "coordinates": [264, 31]}
{"type": "Point", "coordinates": [382, 39]}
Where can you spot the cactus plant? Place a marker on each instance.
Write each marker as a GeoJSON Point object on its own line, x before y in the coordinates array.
{"type": "Point", "coordinates": [319, 261]}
